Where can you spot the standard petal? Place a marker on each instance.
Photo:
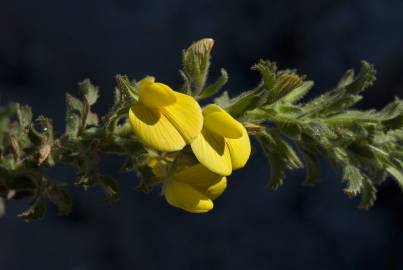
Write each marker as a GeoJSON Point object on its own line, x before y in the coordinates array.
{"type": "Point", "coordinates": [220, 122]}
{"type": "Point", "coordinates": [183, 196]}
{"type": "Point", "coordinates": [154, 130]}
{"type": "Point", "coordinates": [239, 150]}
{"type": "Point", "coordinates": [185, 114]}
{"type": "Point", "coordinates": [212, 152]}
{"type": "Point", "coordinates": [155, 95]}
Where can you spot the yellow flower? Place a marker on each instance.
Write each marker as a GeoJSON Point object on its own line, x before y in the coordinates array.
{"type": "Point", "coordinates": [193, 189]}
{"type": "Point", "coordinates": [164, 119]}
{"type": "Point", "coordinates": [223, 145]}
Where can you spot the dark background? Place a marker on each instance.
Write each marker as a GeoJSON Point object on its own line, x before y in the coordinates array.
{"type": "Point", "coordinates": [46, 47]}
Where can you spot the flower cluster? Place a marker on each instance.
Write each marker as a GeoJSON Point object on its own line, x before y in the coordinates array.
{"type": "Point", "coordinates": [166, 120]}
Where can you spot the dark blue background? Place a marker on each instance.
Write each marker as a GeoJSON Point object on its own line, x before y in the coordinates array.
{"type": "Point", "coordinates": [46, 47]}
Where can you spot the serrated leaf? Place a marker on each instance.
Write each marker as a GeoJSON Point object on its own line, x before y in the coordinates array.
{"type": "Point", "coordinates": [273, 142]}
{"type": "Point", "coordinates": [280, 155]}
{"type": "Point", "coordinates": [277, 172]}
{"type": "Point", "coordinates": [298, 93]}
{"type": "Point", "coordinates": [90, 91]}
{"type": "Point", "coordinates": [344, 95]}
{"type": "Point", "coordinates": [246, 101]}
{"type": "Point", "coordinates": [74, 109]}
{"type": "Point", "coordinates": [268, 72]}
{"type": "Point", "coordinates": [110, 187]}
{"type": "Point", "coordinates": [363, 80]}
{"type": "Point", "coordinates": [354, 179]}
{"type": "Point", "coordinates": [283, 85]}
{"type": "Point", "coordinates": [59, 196]}
{"type": "Point", "coordinates": [24, 115]}
{"type": "Point", "coordinates": [368, 194]}
{"type": "Point", "coordinates": [213, 88]}
{"type": "Point", "coordinates": [35, 211]}
{"type": "Point", "coordinates": [47, 128]}
{"type": "Point", "coordinates": [346, 79]}
{"type": "Point", "coordinates": [288, 125]}
{"type": "Point", "coordinates": [397, 175]}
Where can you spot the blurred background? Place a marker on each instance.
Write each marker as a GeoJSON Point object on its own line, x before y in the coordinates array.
{"type": "Point", "coordinates": [46, 47]}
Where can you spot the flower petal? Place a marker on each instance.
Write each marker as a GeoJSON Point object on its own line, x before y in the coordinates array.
{"type": "Point", "coordinates": [220, 122]}
{"type": "Point", "coordinates": [155, 95]}
{"type": "Point", "coordinates": [239, 149]}
{"type": "Point", "coordinates": [212, 152]}
{"type": "Point", "coordinates": [183, 196]}
{"type": "Point", "coordinates": [154, 130]}
{"type": "Point", "coordinates": [207, 182]}
{"type": "Point", "coordinates": [185, 114]}
{"type": "Point", "coordinates": [214, 191]}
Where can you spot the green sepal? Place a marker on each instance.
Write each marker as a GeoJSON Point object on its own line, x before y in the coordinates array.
{"type": "Point", "coordinates": [213, 88]}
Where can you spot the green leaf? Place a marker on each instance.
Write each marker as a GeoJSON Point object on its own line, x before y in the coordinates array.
{"type": "Point", "coordinates": [344, 95]}
{"type": "Point", "coordinates": [346, 79]}
{"type": "Point", "coordinates": [35, 211]}
{"type": "Point", "coordinates": [268, 72]}
{"type": "Point", "coordinates": [288, 125]}
{"type": "Point", "coordinates": [24, 114]}
{"type": "Point", "coordinates": [368, 194]}
{"type": "Point", "coordinates": [354, 178]}
{"type": "Point", "coordinates": [110, 187]}
{"type": "Point", "coordinates": [59, 196]}
{"type": "Point", "coordinates": [364, 79]}
{"type": "Point", "coordinates": [277, 171]}
{"type": "Point", "coordinates": [73, 116]}
{"type": "Point", "coordinates": [246, 101]}
{"type": "Point", "coordinates": [280, 155]}
{"type": "Point", "coordinates": [273, 140]}
{"type": "Point", "coordinates": [298, 93]}
{"type": "Point", "coordinates": [126, 94]}
{"type": "Point", "coordinates": [213, 88]}
{"type": "Point", "coordinates": [283, 85]}
{"type": "Point", "coordinates": [47, 128]}
{"type": "Point", "coordinates": [397, 175]}
{"type": "Point", "coordinates": [90, 91]}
